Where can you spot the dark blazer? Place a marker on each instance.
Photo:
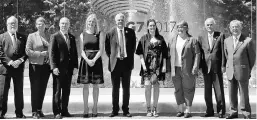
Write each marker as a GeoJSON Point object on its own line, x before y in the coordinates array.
{"type": "Point", "coordinates": [190, 55]}
{"type": "Point", "coordinates": [8, 53]}
{"type": "Point", "coordinates": [59, 55]}
{"type": "Point", "coordinates": [112, 42]}
{"type": "Point", "coordinates": [241, 60]}
{"type": "Point", "coordinates": [212, 59]}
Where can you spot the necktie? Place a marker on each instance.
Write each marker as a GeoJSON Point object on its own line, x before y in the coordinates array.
{"type": "Point", "coordinates": [235, 42]}
{"type": "Point", "coordinates": [121, 45]}
{"type": "Point", "coordinates": [14, 41]}
{"type": "Point", "coordinates": [67, 41]}
{"type": "Point", "coordinates": [210, 40]}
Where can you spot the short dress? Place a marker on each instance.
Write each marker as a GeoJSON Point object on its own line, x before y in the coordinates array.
{"type": "Point", "coordinates": [86, 73]}
{"type": "Point", "coordinates": [154, 53]}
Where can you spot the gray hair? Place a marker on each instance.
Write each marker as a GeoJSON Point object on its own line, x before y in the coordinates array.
{"type": "Point", "coordinates": [40, 19]}
{"type": "Point", "coordinates": [237, 22]}
{"type": "Point", "coordinates": [119, 15]}
{"type": "Point", "coordinates": [10, 18]}
{"type": "Point", "coordinates": [211, 20]}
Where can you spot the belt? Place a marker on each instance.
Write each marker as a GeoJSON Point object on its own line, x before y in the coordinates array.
{"type": "Point", "coordinates": [121, 58]}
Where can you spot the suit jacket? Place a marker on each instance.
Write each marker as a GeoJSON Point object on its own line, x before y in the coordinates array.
{"type": "Point", "coordinates": [240, 60]}
{"type": "Point", "coordinates": [60, 56]}
{"type": "Point", "coordinates": [190, 56]}
{"type": "Point", "coordinates": [35, 45]}
{"type": "Point", "coordinates": [112, 42]}
{"type": "Point", "coordinates": [8, 53]}
{"type": "Point", "coordinates": [212, 59]}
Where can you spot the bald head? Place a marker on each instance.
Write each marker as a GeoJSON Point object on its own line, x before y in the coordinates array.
{"type": "Point", "coordinates": [12, 24]}
{"type": "Point", "coordinates": [64, 24]}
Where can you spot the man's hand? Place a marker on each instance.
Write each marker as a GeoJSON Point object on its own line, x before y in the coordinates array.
{"type": "Point", "coordinates": [75, 71]}
{"type": "Point", "coordinates": [194, 71]}
{"type": "Point", "coordinates": [16, 63]}
{"type": "Point", "coordinates": [163, 69]}
{"type": "Point", "coordinates": [223, 69]}
{"type": "Point", "coordinates": [91, 63]}
{"type": "Point", "coordinates": [56, 71]}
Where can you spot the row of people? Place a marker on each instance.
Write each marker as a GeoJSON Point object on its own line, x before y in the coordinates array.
{"type": "Point", "coordinates": [182, 57]}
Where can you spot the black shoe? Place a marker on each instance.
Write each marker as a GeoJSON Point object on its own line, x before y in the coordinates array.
{"type": "Point", "coordinates": [221, 116]}
{"type": "Point", "coordinates": [35, 115]}
{"type": "Point", "coordinates": [232, 116]}
{"type": "Point", "coordinates": [41, 114]}
{"type": "Point", "coordinates": [20, 116]}
{"type": "Point", "coordinates": [208, 115]}
{"type": "Point", "coordinates": [85, 116]}
{"type": "Point", "coordinates": [187, 115]}
{"type": "Point", "coordinates": [57, 116]}
{"type": "Point", "coordinates": [67, 114]}
{"type": "Point", "coordinates": [113, 114]}
{"type": "Point", "coordinates": [180, 114]}
{"type": "Point", "coordinates": [127, 114]}
{"type": "Point", "coordinates": [2, 117]}
{"type": "Point", "coordinates": [94, 115]}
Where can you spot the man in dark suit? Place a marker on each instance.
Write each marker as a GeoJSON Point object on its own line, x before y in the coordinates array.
{"type": "Point", "coordinates": [64, 63]}
{"type": "Point", "coordinates": [120, 46]}
{"type": "Point", "coordinates": [211, 47]}
{"type": "Point", "coordinates": [240, 54]}
{"type": "Point", "coordinates": [12, 56]}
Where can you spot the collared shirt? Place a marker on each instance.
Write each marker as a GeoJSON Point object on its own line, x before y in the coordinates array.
{"type": "Point", "coordinates": [11, 34]}
{"type": "Point", "coordinates": [236, 39]}
{"type": "Point", "coordinates": [179, 47]}
{"type": "Point", "coordinates": [124, 42]}
{"type": "Point", "coordinates": [210, 39]}
{"type": "Point", "coordinates": [63, 34]}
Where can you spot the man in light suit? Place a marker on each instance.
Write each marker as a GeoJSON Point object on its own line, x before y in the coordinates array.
{"type": "Point", "coordinates": [120, 46]}
{"type": "Point", "coordinates": [212, 57]}
{"type": "Point", "coordinates": [12, 59]}
{"type": "Point", "coordinates": [240, 53]}
{"type": "Point", "coordinates": [64, 63]}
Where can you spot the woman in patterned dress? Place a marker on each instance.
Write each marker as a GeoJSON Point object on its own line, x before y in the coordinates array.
{"type": "Point", "coordinates": [152, 50]}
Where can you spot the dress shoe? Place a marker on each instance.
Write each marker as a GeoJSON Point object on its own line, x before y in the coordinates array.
{"type": "Point", "coordinates": [127, 114]}
{"type": "Point", "coordinates": [221, 116]}
{"type": "Point", "coordinates": [232, 116]}
{"type": "Point", "coordinates": [85, 116]}
{"type": "Point", "coordinates": [66, 114]}
{"type": "Point", "coordinates": [208, 115]}
{"type": "Point", "coordinates": [2, 117]}
{"type": "Point", "coordinates": [187, 115]}
{"type": "Point", "coordinates": [41, 114]}
{"type": "Point", "coordinates": [94, 115]}
{"type": "Point", "coordinates": [113, 114]}
{"type": "Point", "coordinates": [180, 114]}
{"type": "Point", "coordinates": [57, 116]}
{"type": "Point", "coordinates": [20, 116]}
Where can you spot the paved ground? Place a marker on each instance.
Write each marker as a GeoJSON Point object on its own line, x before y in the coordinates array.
{"type": "Point", "coordinates": [166, 107]}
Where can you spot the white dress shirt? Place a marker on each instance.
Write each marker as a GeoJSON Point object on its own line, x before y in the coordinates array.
{"type": "Point", "coordinates": [236, 39]}
{"type": "Point", "coordinates": [124, 42]}
{"type": "Point", "coordinates": [210, 39]}
{"type": "Point", "coordinates": [179, 47]}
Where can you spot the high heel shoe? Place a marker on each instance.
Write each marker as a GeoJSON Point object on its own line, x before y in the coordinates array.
{"type": "Point", "coordinates": [94, 115]}
{"type": "Point", "coordinates": [94, 112]}
{"type": "Point", "coordinates": [155, 114]}
{"type": "Point", "coordinates": [85, 116]}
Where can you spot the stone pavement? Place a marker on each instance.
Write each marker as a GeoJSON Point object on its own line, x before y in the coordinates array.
{"type": "Point", "coordinates": [166, 107]}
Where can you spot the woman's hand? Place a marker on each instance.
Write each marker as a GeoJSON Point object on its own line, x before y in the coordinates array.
{"type": "Point", "coordinates": [164, 69]}
{"type": "Point", "coordinates": [91, 63]}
